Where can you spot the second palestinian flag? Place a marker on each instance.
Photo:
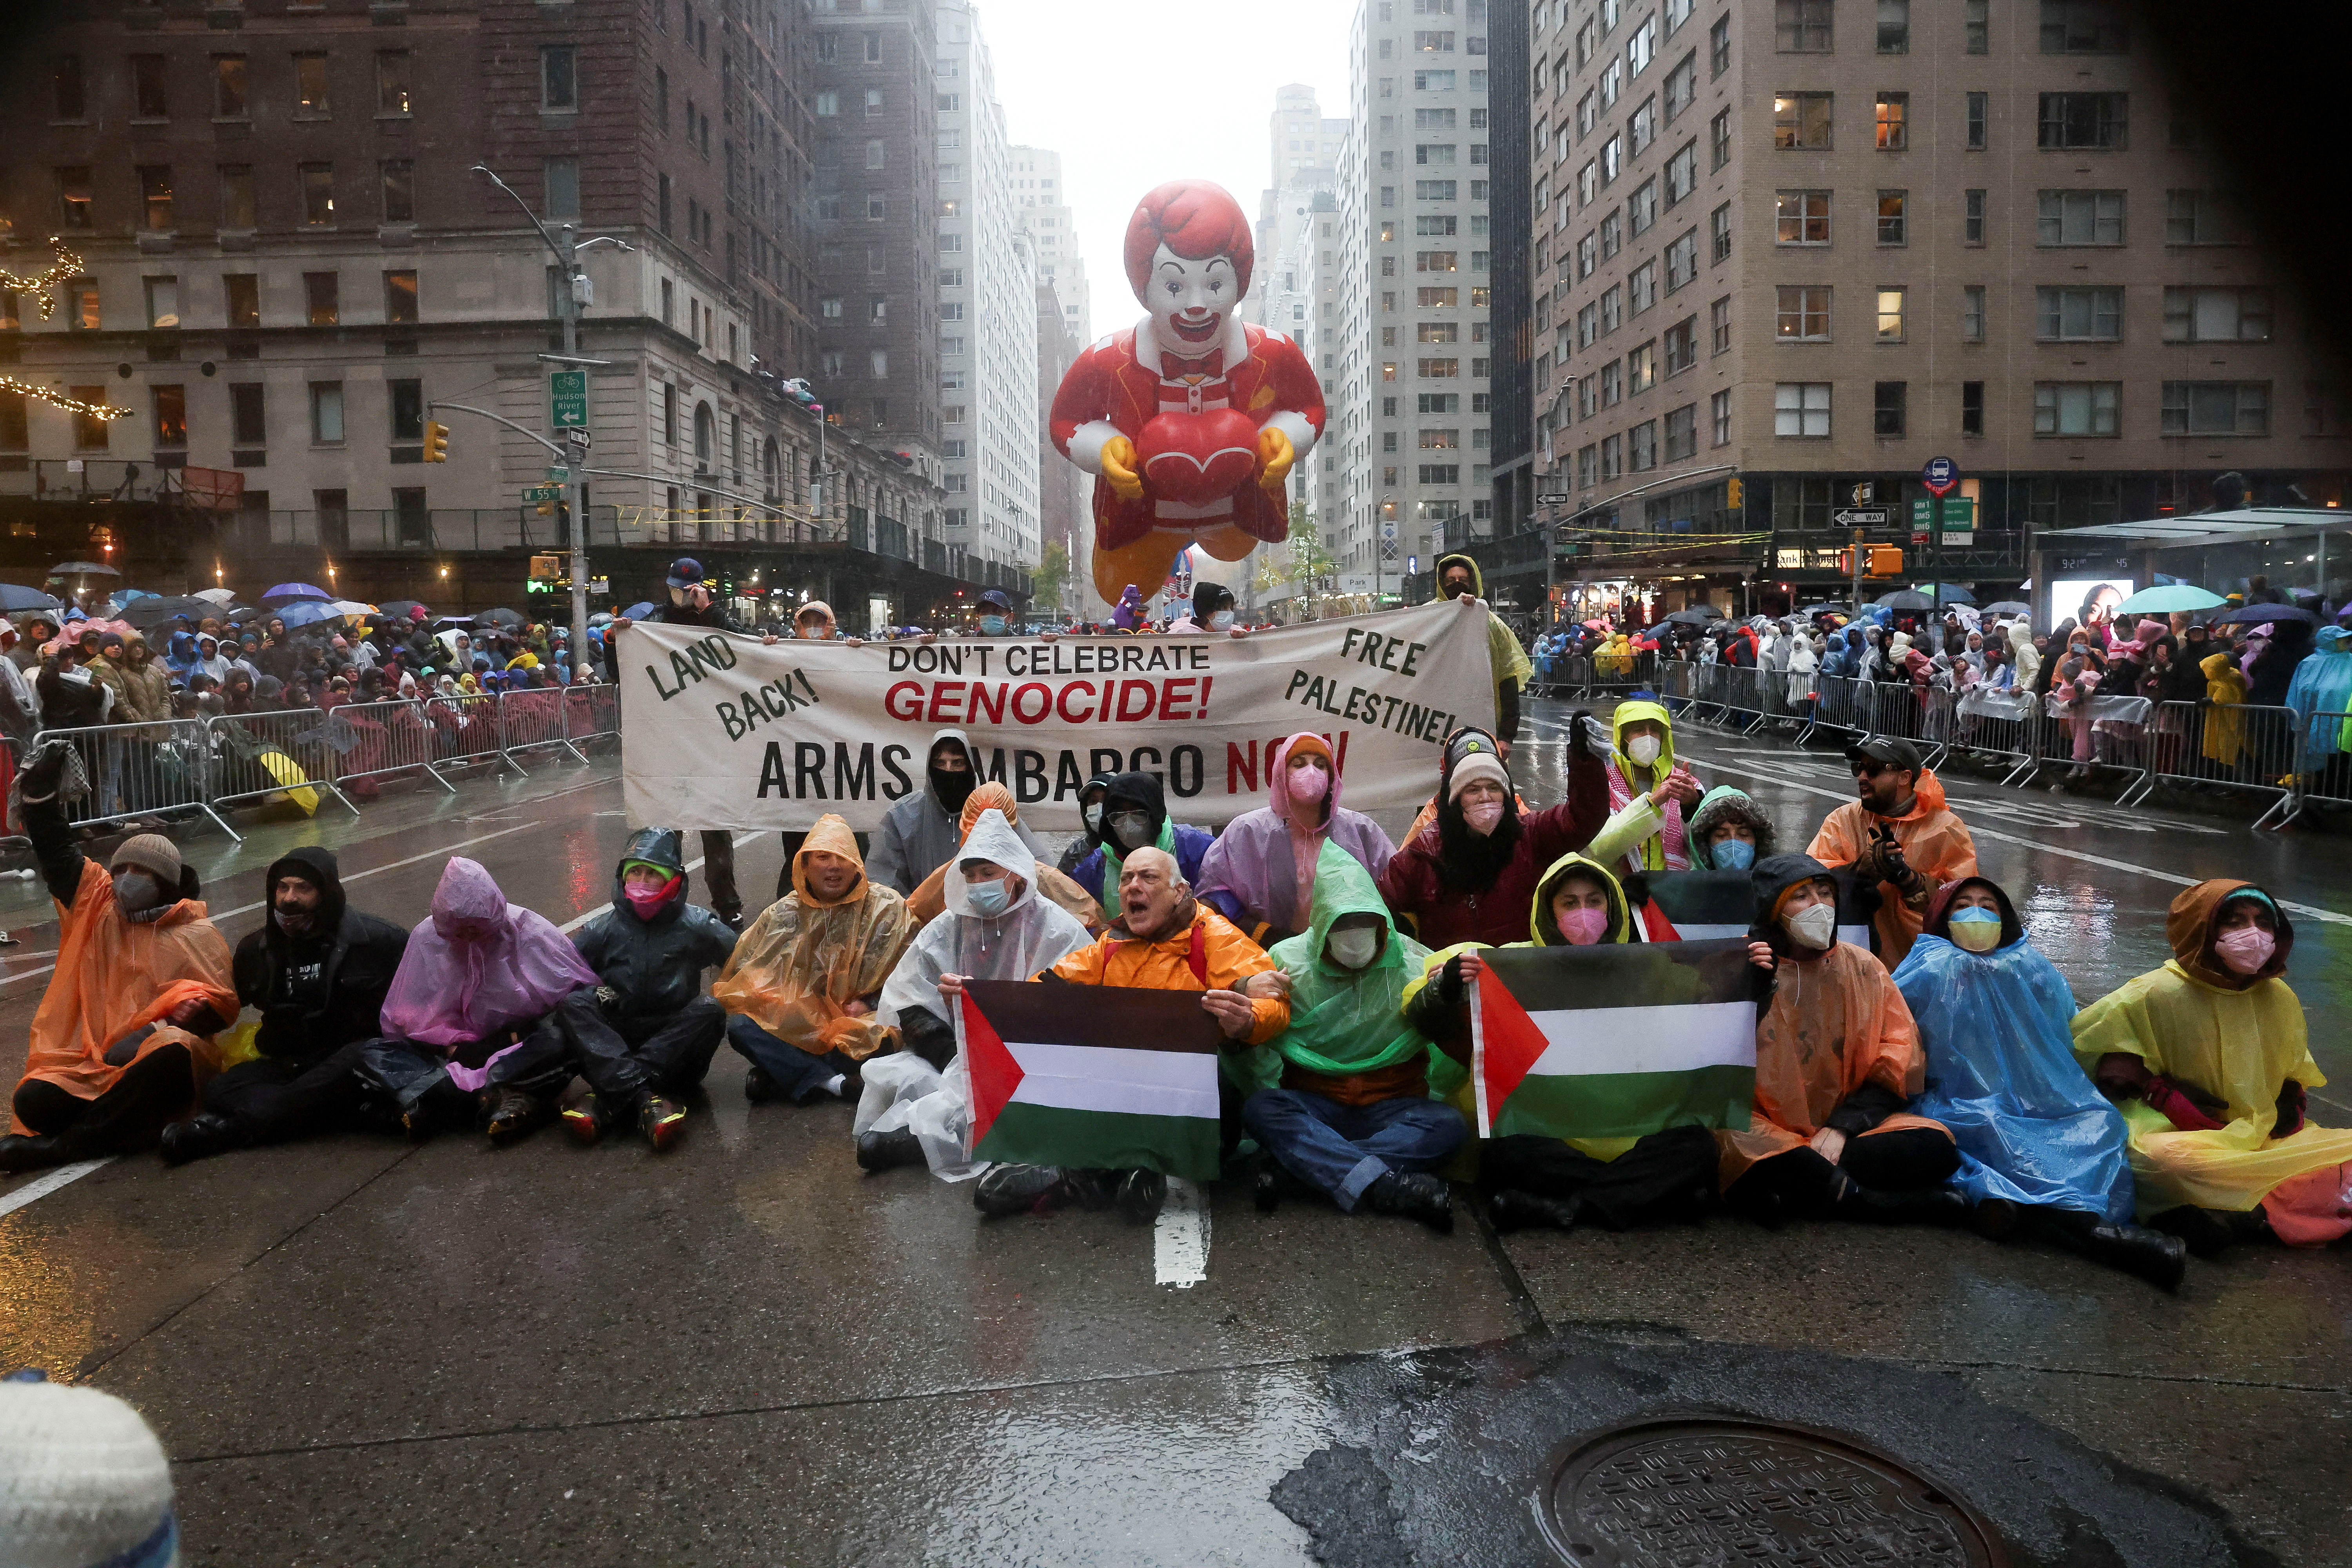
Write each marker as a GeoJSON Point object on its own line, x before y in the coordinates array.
{"type": "Point", "coordinates": [1707, 905]}
{"type": "Point", "coordinates": [1614, 1041]}
{"type": "Point", "coordinates": [1095, 1075]}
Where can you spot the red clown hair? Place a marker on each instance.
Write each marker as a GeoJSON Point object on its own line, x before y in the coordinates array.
{"type": "Point", "coordinates": [1196, 220]}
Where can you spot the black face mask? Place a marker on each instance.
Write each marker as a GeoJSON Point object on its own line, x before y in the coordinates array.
{"type": "Point", "coordinates": [952, 789]}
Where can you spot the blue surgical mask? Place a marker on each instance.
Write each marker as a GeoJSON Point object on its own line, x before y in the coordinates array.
{"type": "Point", "coordinates": [1732, 855]}
{"type": "Point", "coordinates": [988, 899]}
{"type": "Point", "coordinates": [993, 626]}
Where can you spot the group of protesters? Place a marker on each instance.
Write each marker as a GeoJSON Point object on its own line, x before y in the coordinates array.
{"type": "Point", "coordinates": [1941, 1073]}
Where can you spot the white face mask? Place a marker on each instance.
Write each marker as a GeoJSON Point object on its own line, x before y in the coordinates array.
{"type": "Point", "coordinates": [1815, 926]}
{"type": "Point", "coordinates": [1353, 947]}
{"type": "Point", "coordinates": [1093, 815]}
{"type": "Point", "coordinates": [1643, 749]}
{"type": "Point", "coordinates": [1482, 815]}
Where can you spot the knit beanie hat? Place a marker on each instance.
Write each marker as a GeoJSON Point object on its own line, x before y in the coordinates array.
{"type": "Point", "coordinates": [149, 852]}
{"type": "Point", "coordinates": [1475, 766]}
{"type": "Point", "coordinates": [82, 1481]}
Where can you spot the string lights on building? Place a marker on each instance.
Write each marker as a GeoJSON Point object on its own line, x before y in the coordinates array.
{"type": "Point", "coordinates": [59, 400]}
{"type": "Point", "coordinates": [67, 265]}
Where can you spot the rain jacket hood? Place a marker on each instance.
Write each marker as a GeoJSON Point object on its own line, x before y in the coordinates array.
{"type": "Point", "coordinates": [992, 838]}
{"type": "Point", "coordinates": [1634, 713]}
{"type": "Point", "coordinates": [832, 835]}
{"type": "Point", "coordinates": [1545, 930]}
{"type": "Point", "coordinates": [972, 760]}
{"type": "Point", "coordinates": [653, 966]}
{"type": "Point", "coordinates": [662, 847]}
{"type": "Point", "coordinates": [1477, 578]}
{"type": "Point", "coordinates": [2189, 927]}
{"type": "Point", "coordinates": [1099, 782]}
{"type": "Point", "coordinates": [1724, 804]}
{"type": "Point", "coordinates": [318, 867]}
{"type": "Point", "coordinates": [1939, 910]}
{"type": "Point", "coordinates": [802, 963]}
{"type": "Point", "coordinates": [1277, 793]}
{"type": "Point", "coordinates": [478, 964]}
{"type": "Point", "coordinates": [1032, 933]}
{"type": "Point", "coordinates": [1773, 877]}
{"type": "Point", "coordinates": [1345, 1022]}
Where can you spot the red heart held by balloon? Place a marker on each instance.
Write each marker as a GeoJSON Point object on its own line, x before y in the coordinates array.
{"type": "Point", "coordinates": [1193, 458]}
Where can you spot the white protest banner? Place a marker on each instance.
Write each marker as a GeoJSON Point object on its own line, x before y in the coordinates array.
{"type": "Point", "coordinates": [718, 730]}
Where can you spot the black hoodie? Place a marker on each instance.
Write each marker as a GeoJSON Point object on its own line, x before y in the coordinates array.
{"type": "Point", "coordinates": [319, 992]}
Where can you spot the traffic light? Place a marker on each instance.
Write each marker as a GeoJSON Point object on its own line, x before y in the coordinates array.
{"type": "Point", "coordinates": [1886, 561]}
{"type": "Point", "coordinates": [437, 442]}
{"type": "Point", "coordinates": [1735, 494]}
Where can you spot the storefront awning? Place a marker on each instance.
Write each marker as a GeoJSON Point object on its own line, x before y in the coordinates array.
{"type": "Point", "coordinates": [2246, 525]}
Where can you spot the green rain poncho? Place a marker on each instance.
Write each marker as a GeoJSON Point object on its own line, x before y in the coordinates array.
{"type": "Point", "coordinates": [1345, 1022]}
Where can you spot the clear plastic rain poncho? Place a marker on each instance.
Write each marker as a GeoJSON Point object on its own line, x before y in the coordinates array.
{"type": "Point", "coordinates": [478, 963]}
{"type": "Point", "coordinates": [1033, 933]}
{"type": "Point", "coordinates": [2001, 1074]}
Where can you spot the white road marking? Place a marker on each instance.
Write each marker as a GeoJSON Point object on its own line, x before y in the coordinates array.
{"type": "Point", "coordinates": [48, 1181]}
{"type": "Point", "coordinates": [1180, 1238]}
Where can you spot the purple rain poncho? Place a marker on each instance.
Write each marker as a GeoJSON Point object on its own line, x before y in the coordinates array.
{"type": "Point", "coordinates": [1254, 873]}
{"type": "Point", "coordinates": [477, 963]}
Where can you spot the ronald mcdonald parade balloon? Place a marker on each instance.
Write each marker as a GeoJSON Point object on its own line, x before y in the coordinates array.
{"type": "Point", "coordinates": [1190, 419]}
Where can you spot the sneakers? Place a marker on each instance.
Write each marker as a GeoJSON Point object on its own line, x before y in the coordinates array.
{"type": "Point", "coordinates": [584, 1118]}
{"type": "Point", "coordinates": [200, 1135]}
{"type": "Point", "coordinates": [661, 1121]}
{"type": "Point", "coordinates": [1416, 1194]}
{"type": "Point", "coordinates": [1141, 1195]}
{"type": "Point", "coordinates": [514, 1116]}
{"type": "Point", "coordinates": [888, 1150]}
{"type": "Point", "coordinates": [759, 1088]}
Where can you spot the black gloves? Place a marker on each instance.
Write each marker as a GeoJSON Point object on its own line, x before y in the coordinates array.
{"type": "Point", "coordinates": [1586, 737]}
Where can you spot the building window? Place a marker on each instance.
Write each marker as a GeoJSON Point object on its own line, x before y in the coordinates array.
{"type": "Point", "coordinates": [1682, 174]}
{"type": "Point", "coordinates": [562, 182]}
{"type": "Point", "coordinates": [1972, 408]}
{"type": "Point", "coordinates": [1719, 139]}
{"type": "Point", "coordinates": [1972, 217]}
{"type": "Point", "coordinates": [558, 76]}
{"type": "Point", "coordinates": [327, 413]}
{"type": "Point", "coordinates": [1801, 408]}
{"type": "Point", "coordinates": [2217, 408]}
{"type": "Point", "coordinates": [149, 98]}
{"type": "Point", "coordinates": [1613, 309]}
{"type": "Point", "coordinates": [1801, 217]}
{"type": "Point", "coordinates": [1890, 315]}
{"type": "Point", "coordinates": [2084, 28]}
{"type": "Point", "coordinates": [310, 100]}
{"type": "Point", "coordinates": [1802, 314]}
{"type": "Point", "coordinates": [156, 196]}
{"type": "Point", "coordinates": [2083, 122]}
{"type": "Point", "coordinates": [400, 297]}
{"type": "Point", "coordinates": [1894, 112]}
{"type": "Point", "coordinates": [1894, 26]}
{"type": "Point", "coordinates": [392, 83]}
{"type": "Point", "coordinates": [1979, 118]}
{"type": "Point", "coordinates": [1682, 345]}
{"type": "Point", "coordinates": [243, 298]}
{"type": "Point", "coordinates": [1718, 409]}
{"type": "Point", "coordinates": [1800, 26]}
{"type": "Point", "coordinates": [1976, 31]}
{"type": "Point", "coordinates": [74, 198]}
{"type": "Point", "coordinates": [236, 197]}
{"type": "Point", "coordinates": [2078, 218]}
{"type": "Point", "coordinates": [322, 298]}
{"type": "Point", "coordinates": [69, 101]}
{"type": "Point", "coordinates": [318, 194]}
{"type": "Point", "coordinates": [407, 399]}
{"type": "Point", "coordinates": [228, 88]}
{"type": "Point", "coordinates": [90, 430]}
{"type": "Point", "coordinates": [1893, 228]}
{"type": "Point", "coordinates": [662, 212]}
{"type": "Point", "coordinates": [247, 419]}
{"type": "Point", "coordinates": [1641, 447]}
{"type": "Point", "coordinates": [82, 314]}
{"type": "Point", "coordinates": [399, 183]}
{"type": "Point", "coordinates": [1972, 313]}
{"type": "Point", "coordinates": [1888, 414]}
{"type": "Point", "coordinates": [2216, 315]}
{"type": "Point", "coordinates": [1641, 368]}
{"type": "Point", "coordinates": [2079, 315]}
{"type": "Point", "coordinates": [669, 415]}
{"type": "Point", "coordinates": [1682, 256]}
{"type": "Point", "coordinates": [1613, 456]}
{"type": "Point", "coordinates": [1643, 128]}
{"type": "Point", "coordinates": [1641, 206]}
{"type": "Point", "coordinates": [1641, 287]}
{"type": "Point", "coordinates": [2203, 218]}
{"type": "Point", "coordinates": [1718, 326]}
{"type": "Point", "coordinates": [1802, 120]}
{"type": "Point", "coordinates": [2076, 408]}
{"type": "Point", "coordinates": [1719, 47]}
{"type": "Point", "coordinates": [1681, 433]}
{"type": "Point", "coordinates": [163, 302]}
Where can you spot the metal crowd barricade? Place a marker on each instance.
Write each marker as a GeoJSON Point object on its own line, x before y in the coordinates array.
{"type": "Point", "coordinates": [1677, 682]}
{"type": "Point", "coordinates": [2227, 745]}
{"type": "Point", "coordinates": [2002, 725]}
{"type": "Point", "coordinates": [2106, 733]}
{"type": "Point", "coordinates": [466, 729]}
{"type": "Point", "coordinates": [1905, 710]}
{"type": "Point", "coordinates": [383, 739]}
{"type": "Point", "coordinates": [591, 713]}
{"type": "Point", "coordinates": [158, 769]}
{"type": "Point", "coordinates": [1837, 705]}
{"type": "Point", "coordinates": [1630, 671]}
{"type": "Point", "coordinates": [531, 719]}
{"type": "Point", "coordinates": [1745, 700]}
{"type": "Point", "coordinates": [256, 755]}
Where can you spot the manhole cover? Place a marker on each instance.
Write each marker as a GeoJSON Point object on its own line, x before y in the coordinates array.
{"type": "Point", "coordinates": [1686, 1491]}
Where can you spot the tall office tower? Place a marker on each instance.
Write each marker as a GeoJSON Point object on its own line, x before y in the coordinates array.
{"type": "Point", "coordinates": [1785, 254]}
{"type": "Point", "coordinates": [1038, 186]}
{"type": "Point", "coordinates": [1065, 510]}
{"type": "Point", "coordinates": [986, 309]}
{"type": "Point", "coordinates": [1411, 299]}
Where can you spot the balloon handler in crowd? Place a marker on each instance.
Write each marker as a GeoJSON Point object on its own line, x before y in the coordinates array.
{"type": "Point", "coordinates": [2042, 1154]}
{"type": "Point", "coordinates": [1135, 817]}
{"type": "Point", "coordinates": [1900, 833]}
{"type": "Point", "coordinates": [317, 972]}
{"type": "Point", "coordinates": [1164, 940]}
{"type": "Point", "coordinates": [995, 926]}
{"type": "Point", "coordinates": [1192, 419]}
{"type": "Point", "coordinates": [1655, 1178]}
{"type": "Point", "coordinates": [1262, 872]}
{"type": "Point", "coordinates": [644, 1033]}
{"type": "Point", "coordinates": [2209, 1059]}
{"type": "Point", "coordinates": [1837, 1065]}
{"type": "Point", "coordinates": [920, 834]}
{"type": "Point", "coordinates": [477, 978]}
{"type": "Point", "coordinates": [804, 981]}
{"type": "Point", "coordinates": [123, 1041]}
{"type": "Point", "coordinates": [1344, 1098]}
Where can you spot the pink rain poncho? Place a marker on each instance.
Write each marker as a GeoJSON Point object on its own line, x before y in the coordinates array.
{"type": "Point", "coordinates": [1260, 873]}
{"type": "Point", "coordinates": [478, 964]}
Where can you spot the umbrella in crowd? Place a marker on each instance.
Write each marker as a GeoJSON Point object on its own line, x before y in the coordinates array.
{"type": "Point", "coordinates": [306, 612]}
{"type": "Point", "coordinates": [153, 611]}
{"type": "Point", "coordinates": [2260, 614]}
{"type": "Point", "coordinates": [1906, 599]}
{"type": "Point", "coordinates": [1826, 610]}
{"type": "Point", "coordinates": [397, 609]}
{"type": "Point", "coordinates": [2007, 607]}
{"type": "Point", "coordinates": [1693, 618]}
{"type": "Point", "coordinates": [124, 597]}
{"type": "Point", "coordinates": [286, 593]}
{"type": "Point", "coordinates": [82, 569]}
{"type": "Point", "coordinates": [643, 607]}
{"type": "Point", "coordinates": [354, 607]}
{"type": "Point", "coordinates": [503, 618]}
{"type": "Point", "coordinates": [2168, 598]}
{"type": "Point", "coordinates": [217, 595]}
{"type": "Point", "coordinates": [15, 597]}
{"type": "Point", "coordinates": [1953, 592]}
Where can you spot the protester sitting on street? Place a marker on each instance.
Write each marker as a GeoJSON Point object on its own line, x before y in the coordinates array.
{"type": "Point", "coordinates": [1345, 1101]}
{"type": "Point", "coordinates": [919, 833]}
{"type": "Point", "coordinates": [2210, 1060]}
{"type": "Point", "coordinates": [1837, 1062]}
{"type": "Point", "coordinates": [1899, 834]}
{"type": "Point", "coordinates": [995, 926]}
{"type": "Point", "coordinates": [2040, 1153]}
{"type": "Point", "coordinates": [1261, 873]}
{"type": "Point", "coordinates": [1088, 838]}
{"type": "Point", "coordinates": [1471, 875]}
{"type": "Point", "coordinates": [1729, 832]}
{"type": "Point", "coordinates": [1458, 577]}
{"type": "Point", "coordinates": [123, 1040]}
{"type": "Point", "coordinates": [317, 972]}
{"type": "Point", "coordinates": [1648, 793]}
{"type": "Point", "coordinates": [1135, 817]}
{"type": "Point", "coordinates": [643, 1035]}
{"type": "Point", "coordinates": [928, 902]}
{"type": "Point", "coordinates": [1163, 939]}
{"type": "Point", "coordinates": [477, 976]}
{"type": "Point", "coordinates": [804, 979]}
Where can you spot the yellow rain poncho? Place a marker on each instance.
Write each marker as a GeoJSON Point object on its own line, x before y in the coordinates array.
{"type": "Point", "coordinates": [2191, 1023]}
{"type": "Point", "coordinates": [804, 962]}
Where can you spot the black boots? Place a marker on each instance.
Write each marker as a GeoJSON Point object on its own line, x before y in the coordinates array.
{"type": "Point", "coordinates": [888, 1150]}
{"type": "Point", "coordinates": [1416, 1194]}
{"type": "Point", "coordinates": [1512, 1209]}
{"type": "Point", "coordinates": [199, 1136]}
{"type": "Point", "coordinates": [1920, 1206]}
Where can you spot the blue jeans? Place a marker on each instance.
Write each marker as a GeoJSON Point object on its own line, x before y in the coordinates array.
{"type": "Point", "coordinates": [1343, 1149]}
{"type": "Point", "coordinates": [802, 1076]}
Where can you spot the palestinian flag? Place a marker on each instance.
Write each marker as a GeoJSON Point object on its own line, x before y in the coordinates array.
{"type": "Point", "coordinates": [1098, 1076]}
{"type": "Point", "coordinates": [1709, 906]}
{"type": "Point", "coordinates": [1615, 1041]}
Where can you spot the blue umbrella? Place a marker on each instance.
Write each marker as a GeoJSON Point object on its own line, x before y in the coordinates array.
{"type": "Point", "coordinates": [639, 611]}
{"type": "Point", "coordinates": [14, 597]}
{"type": "Point", "coordinates": [2166, 597]}
{"type": "Point", "coordinates": [296, 590]}
{"type": "Point", "coordinates": [306, 612]}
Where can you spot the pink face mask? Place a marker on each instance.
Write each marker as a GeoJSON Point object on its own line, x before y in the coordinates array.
{"type": "Point", "coordinates": [647, 901]}
{"type": "Point", "coordinates": [1583, 928]}
{"type": "Point", "coordinates": [1483, 815]}
{"type": "Point", "coordinates": [1308, 786]}
{"type": "Point", "coordinates": [2245, 950]}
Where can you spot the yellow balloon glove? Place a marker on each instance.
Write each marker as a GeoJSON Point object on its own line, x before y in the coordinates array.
{"type": "Point", "coordinates": [1119, 467]}
{"type": "Point", "coordinates": [1274, 457]}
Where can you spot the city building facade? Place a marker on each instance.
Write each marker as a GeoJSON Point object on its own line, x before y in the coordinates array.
{"type": "Point", "coordinates": [1045, 195]}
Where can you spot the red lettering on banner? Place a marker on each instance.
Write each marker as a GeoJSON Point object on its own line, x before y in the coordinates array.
{"type": "Point", "coordinates": [1241, 768]}
{"type": "Point", "coordinates": [890, 704]}
{"type": "Point", "coordinates": [1133, 689]}
{"type": "Point", "coordinates": [982, 709]}
{"type": "Point", "coordinates": [1176, 697]}
{"type": "Point", "coordinates": [946, 702]}
{"type": "Point", "coordinates": [1045, 703]}
{"type": "Point", "coordinates": [1061, 702]}
{"type": "Point", "coordinates": [1206, 682]}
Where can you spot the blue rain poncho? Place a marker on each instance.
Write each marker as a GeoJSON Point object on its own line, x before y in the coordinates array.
{"type": "Point", "coordinates": [2001, 1073]}
{"type": "Point", "coordinates": [2323, 685]}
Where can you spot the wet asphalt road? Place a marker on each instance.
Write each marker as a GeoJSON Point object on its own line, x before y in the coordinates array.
{"type": "Point", "coordinates": [749, 1353]}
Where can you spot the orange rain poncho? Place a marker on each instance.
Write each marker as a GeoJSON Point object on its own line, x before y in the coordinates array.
{"type": "Point", "coordinates": [804, 961]}
{"type": "Point", "coordinates": [1936, 844]}
{"type": "Point", "coordinates": [2190, 1022]}
{"type": "Point", "coordinates": [929, 901]}
{"type": "Point", "coordinates": [1208, 953]}
{"type": "Point", "coordinates": [114, 975]}
{"type": "Point", "coordinates": [1836, 1022]}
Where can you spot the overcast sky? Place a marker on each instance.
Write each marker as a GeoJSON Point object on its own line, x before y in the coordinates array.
{"type": "Point", "coordinates": [1132, 95]}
